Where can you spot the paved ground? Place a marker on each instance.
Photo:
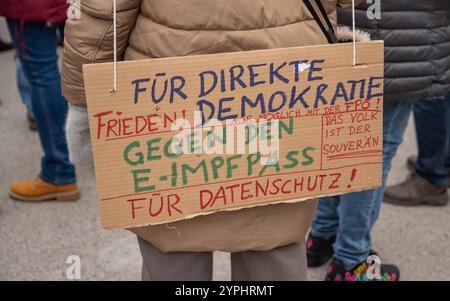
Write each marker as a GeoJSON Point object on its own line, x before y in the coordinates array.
{"type": "Point", "coordinates": [36, 239]}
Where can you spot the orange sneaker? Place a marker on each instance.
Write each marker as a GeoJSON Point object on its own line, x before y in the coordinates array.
{"type": "Point", "coordinates": [40, 190]}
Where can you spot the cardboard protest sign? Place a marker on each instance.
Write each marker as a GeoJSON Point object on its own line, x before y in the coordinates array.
{"type": "Point", "coordinates": [186, 136]}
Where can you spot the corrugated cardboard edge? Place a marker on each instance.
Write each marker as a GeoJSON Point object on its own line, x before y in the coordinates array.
{"type": "Point", "coordinates": [361, 64]}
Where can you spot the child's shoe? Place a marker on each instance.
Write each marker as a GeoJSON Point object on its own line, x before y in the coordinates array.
{"type": "Point", "coordinates": [319, 250]}
{"type": "Point", "coordinates": [337, 272]}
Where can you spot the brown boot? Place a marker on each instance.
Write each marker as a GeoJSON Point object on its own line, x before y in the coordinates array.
{"type": "Point", "coordinates": [40, 190]}
{"type": "Point", "coordinates": [416, 191]}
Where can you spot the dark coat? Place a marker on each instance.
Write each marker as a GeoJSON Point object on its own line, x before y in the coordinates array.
{"type": "Point", "coordinates": [417, 46]}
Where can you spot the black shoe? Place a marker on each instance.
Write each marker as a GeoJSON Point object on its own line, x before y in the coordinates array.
{"type": "Point", "coordinates": [337, 272]}
{"type": "Point", "coordinates": [319, 250]}
{"type": "Point", "coordinates": [5, 46]}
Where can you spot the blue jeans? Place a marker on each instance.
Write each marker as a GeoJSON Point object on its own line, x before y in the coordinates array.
{"type": "Point", "coordinates": [36, 46]}
{"type": "Point", "coordinates": [351, 216]}
{"type": "Point", "coordinates": [24, 88]}
{"type": "Point", "coordinates": [433, 138]}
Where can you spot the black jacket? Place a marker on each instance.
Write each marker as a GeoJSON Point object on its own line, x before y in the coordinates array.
{"type": "Point", "coordinates": [417, 46]}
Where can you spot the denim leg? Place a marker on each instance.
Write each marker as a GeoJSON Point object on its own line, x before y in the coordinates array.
{"type": "Point", "coordinates": [358, 211]}
{"type": "Point", "coordinates": [396, 116]}
{"type": "Point", "coordinates": [36, 46]}
{"type": "Point", "coordinates": [24, 88]}
{"type": "Point", "coordinates": [326, 220]}
{"type": "Point", "coordinates": [432, 120]}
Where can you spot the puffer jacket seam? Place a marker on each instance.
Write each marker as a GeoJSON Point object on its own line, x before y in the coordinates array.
{"type": "Point", "coordinates": [141, 52]}
{"type": "Point", "coordinates": [414, 28]}
{"type": "Point", "coordinates": [100, 42]}
{"type": "Point", "coordinates": [412, 91]}
{"type": "Point", "coordinates": [94, 12]}
{"type": "Point", "coordinates": [438, 43]}
{"type": "Point", "coordinates": [226, 30]}
{"type": "Point", "coordinates": [136, 49]}
{"type": "Point", "coordinates": [405, 45]}
{"type": "Point", "coordinates": [419, 61]}
{"type": "Point", "coordinates": [409, 76]}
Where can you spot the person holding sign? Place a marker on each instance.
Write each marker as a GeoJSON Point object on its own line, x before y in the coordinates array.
{"type": "Point", "coordinates": [266, 242]}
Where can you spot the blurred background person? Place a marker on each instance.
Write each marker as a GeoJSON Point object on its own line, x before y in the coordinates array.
{"type": "Point", "coordinates": [417, 66]}
{"type": "Point", "coordinates": [32, 26]}
{"type": "Point", "coordinates": [428, 181]}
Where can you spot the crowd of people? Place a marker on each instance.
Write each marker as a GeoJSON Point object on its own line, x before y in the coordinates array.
{"type": "Point", "coordinates": [416, 34]}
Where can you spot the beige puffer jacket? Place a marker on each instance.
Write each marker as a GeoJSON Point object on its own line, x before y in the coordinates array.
{"type": "Point", "coordinates": [166, 28]}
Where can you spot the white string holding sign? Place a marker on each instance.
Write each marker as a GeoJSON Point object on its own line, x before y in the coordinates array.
{"type": "Point", "coordinates": [354, 33]}
{"type": "Point", "coordinates": [114, 89]}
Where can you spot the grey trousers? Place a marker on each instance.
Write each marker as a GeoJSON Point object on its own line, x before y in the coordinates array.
{"type": "Point", "coordinates": [284, 263]}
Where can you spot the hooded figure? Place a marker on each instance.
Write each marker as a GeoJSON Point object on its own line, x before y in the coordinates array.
{"type": "Point", "coordinates": [267, 242]}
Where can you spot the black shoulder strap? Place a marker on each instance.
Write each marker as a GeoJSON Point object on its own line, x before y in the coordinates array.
{"type": "Point", "coordinates": [326, 28]}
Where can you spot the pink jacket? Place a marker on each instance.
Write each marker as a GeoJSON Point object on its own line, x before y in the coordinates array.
{"type": "Point", "coordinates": [51, 11]}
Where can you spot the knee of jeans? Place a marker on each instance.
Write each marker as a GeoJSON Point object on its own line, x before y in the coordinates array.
{"type": "Point", "coordinates": [41, 72]}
